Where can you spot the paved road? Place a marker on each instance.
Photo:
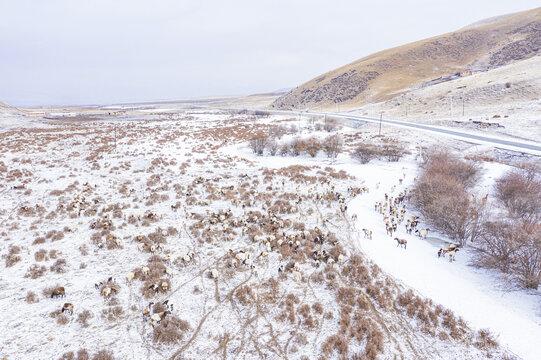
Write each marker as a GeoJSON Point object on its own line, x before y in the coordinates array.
{"type": "Point", "coordinates": [527, 147]}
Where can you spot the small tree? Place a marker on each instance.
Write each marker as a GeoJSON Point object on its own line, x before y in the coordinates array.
{"type": "Point", "coordinates": [258, 143]}
{"type": "Point", "coordinates": [333, 146]}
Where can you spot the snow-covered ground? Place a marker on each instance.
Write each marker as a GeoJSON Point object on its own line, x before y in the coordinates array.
{"type": "Point", "coordinates": [202, 161]}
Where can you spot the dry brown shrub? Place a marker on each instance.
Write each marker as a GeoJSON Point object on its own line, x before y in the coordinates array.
{"type": "Point", "coordinates": [12, 257]}
{"type": "Point", "coordinates": [41, 255]}
{"type": "Point", "coordinates": [441, 194]}
{"type": "Point", "coordinates": [159, 307]}
{"type": "Point", "coordinates": [170, 330]}
{"type": "Point", "coordinates": [35, 271]}
{"type": "Point", "coordinates": [82, 354]}
{"type": "Point", "coordinates": [59, 266]}
{"type": "Point", "coordinates": [84, 316]}
{"type": "Point", "coordinates": [112, 313]}
{"type": "Point", "coordinates": [245, 295]}
{"type": "Point", "coordinates": [39, 240]}
{"type": "Point", "coordinates": [53, 254]}
{"type": "Point", "coordinates": [520, 192]}
{"type": "Point", "coordinates": [62, 319]}
{"type": "Point", "coordinates": [31, 297]}
{"type": "Point", "coordinates": [103, 355]}
{"type": "Point", "coordinates": [335, 343]}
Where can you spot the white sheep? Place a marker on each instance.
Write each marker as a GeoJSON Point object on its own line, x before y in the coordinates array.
{"type": "Point", "coordinates": [214, 274]}
{"type": "Point", "coordinates": [130, 277]}
{"type": "Point", "coordinates": [297, 276]}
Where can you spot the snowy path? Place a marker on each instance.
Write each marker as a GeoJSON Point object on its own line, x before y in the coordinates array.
{"type": "Point", "coordinates": [477, 295]}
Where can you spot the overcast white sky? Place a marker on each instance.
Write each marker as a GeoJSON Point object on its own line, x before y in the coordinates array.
{"type": "Point", "coordinates": [105, 51]}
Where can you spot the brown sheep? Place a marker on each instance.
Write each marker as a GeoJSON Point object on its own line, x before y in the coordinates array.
{"type": "Point", "coordinates": [68, 307]}
{"type": "Point", "coordinates": [59, 291]}
{"type": "Point", "coordinates": [401, 242]}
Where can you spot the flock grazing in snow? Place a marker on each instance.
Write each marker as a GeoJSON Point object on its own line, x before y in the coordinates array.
{"type": "Point", "coordinates": [392, 209]}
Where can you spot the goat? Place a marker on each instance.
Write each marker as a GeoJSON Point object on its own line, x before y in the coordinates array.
{"type": "Point", "coordinates": [164, 285]}
{"type": "Point", "coordinates": [59, 291]}
{"type": "Point", "coordinates": [440, 252]}
{"type": "Point", "coordinates": [145, 270]}
{"type": "Point", "coordinates": [401, 242]}
{"type": "Point", "coordinates": [214, 274]}
{"type": "Point", "coordinates": [68, 307]}
{"type": "Point", "coordinates": [340, 259]}
{"type": "Point", "coordinates": [98, 285]}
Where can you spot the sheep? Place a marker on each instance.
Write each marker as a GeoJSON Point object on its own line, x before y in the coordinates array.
{"type": "Point", "coordinates": [106, 292]}
{"type": "Point", "coordinates": [158, 317]}
{"type": "Point", "coordinates": [367, 234]}
{"type": "Point", "coordinates": [440, 252]}
{"type": "Point", "coordinates": [68, 307]}
{"type": "Point", "coordinates": [297, 276]}
{"type": "Point", "coordinates": [296, 267]}
{"type": "Point", "coordinates": [330, 261]}
{"type": "Point", "coordinates": [422, 233]}
{"type": "Point", "coordinates": [59, 291]}
{"type": "Point", "coordinates": [401, 242]}
{"type": "Point", "coordinates": [452, 254]}
{"type": "Point", "coordinates": [164, 285]}
{"type": "Point", "coordinates": [354, 217]}
{"type": "Point", "coordinates": [141, 246]}
{"type": "Point", "coordinates": [130, 277]}
{"type": "Point", "coordinates": [340, 259]}
{"type": "Point", "coordinates": [145, 270]}
{"type": "Point", "coordinates": [214, 274]}
{"type": "Point", "coordinates": [146, 310]}
{"type": "Point", "coordinates": [249, 262]}
{"type": "Point", "coordinates": [170, 273]}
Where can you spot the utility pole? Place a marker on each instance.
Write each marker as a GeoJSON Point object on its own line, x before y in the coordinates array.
{"type": "Point", "coordinates": [380, 116]}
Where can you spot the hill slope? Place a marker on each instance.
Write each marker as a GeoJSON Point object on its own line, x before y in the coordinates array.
{"type": "Point", "coordinates": [479, 47]}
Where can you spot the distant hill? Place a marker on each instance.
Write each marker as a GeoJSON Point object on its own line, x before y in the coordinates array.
{"type": "Point", "coordinates": [10, 116]}
{"type": "Point", "coordinates": [482, 46]}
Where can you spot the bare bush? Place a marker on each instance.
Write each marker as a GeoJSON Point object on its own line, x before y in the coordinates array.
{"type": "Point", "coordinates": [333, 146]}
{"type": "Point", "coordinates": [12, 257]}
{"type": "Point", "coordinates": [170, 330]}
{"type": "Point", "coordinates": [258, 143]}
{"type": "Point", "coordinates": [82, 354]}
{"type": "Point", "coordinates": [520, 193]}
{"type": "Point", "coordinates": [103, 355]}
{"type": "Point", "coordinates": [59, 266]}
{"type": "Point", "coordinates": [84, 316]}
{"type": "Point", "coordinates": [35, 271]}
{"type": "Point", "coordinates": [31, 297]}
{"type": "Point", "coordinates": [272, 147]}
{"type": "Point", "coordinates": [441, 194]}
{"type": "Point", "coordinates": [365, 153]}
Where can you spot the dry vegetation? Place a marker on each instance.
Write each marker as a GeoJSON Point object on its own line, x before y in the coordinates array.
{"type": "Point", "coordinates": [258, 262]}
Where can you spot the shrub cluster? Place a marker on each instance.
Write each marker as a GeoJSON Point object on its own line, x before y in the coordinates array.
{"type": "Point", "coordinates": [442, 195]}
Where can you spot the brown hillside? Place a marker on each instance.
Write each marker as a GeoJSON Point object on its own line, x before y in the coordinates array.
{"type": "Point", "coordinates": [479, 47]}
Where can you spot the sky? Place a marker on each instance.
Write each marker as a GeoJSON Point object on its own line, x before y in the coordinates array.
{"type": "Point", "coordinates": [67, 52]}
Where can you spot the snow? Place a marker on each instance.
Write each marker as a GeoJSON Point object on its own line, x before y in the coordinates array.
{"type": "Point", "coordinates": [478, 295]}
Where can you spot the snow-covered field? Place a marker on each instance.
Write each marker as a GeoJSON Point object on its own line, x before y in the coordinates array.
{"type": "Point", "coordinates": [192, 184]}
